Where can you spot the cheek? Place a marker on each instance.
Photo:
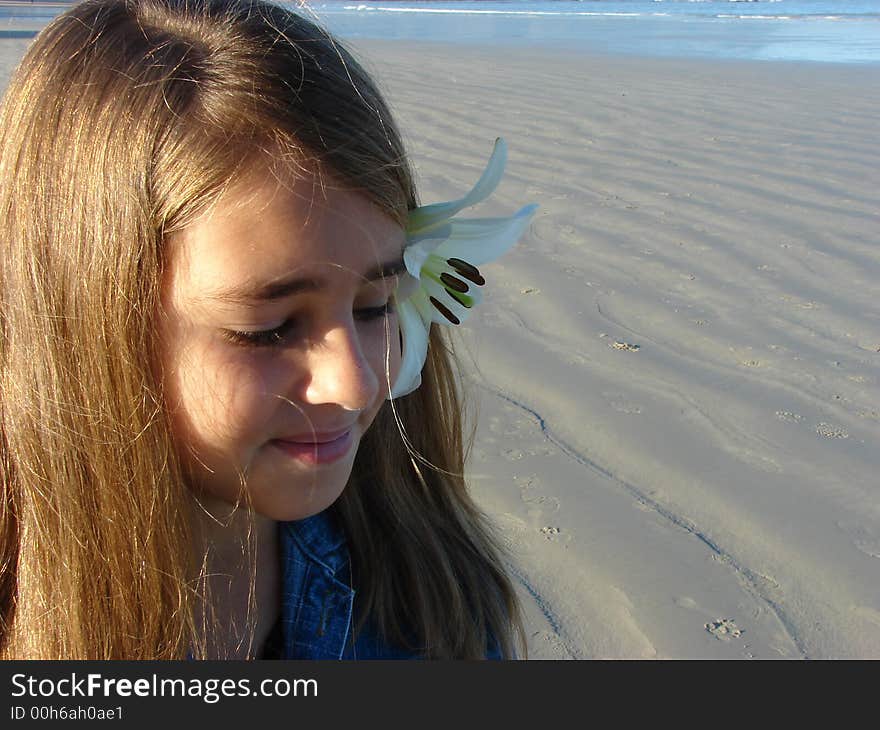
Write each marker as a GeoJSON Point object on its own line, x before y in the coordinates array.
{"type": "Point", "coordinates": [385, 353]}
{"type": "Point", "coordinates": [219, 404]}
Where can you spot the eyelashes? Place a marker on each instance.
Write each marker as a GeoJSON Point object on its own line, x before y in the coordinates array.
{"type": "Point", "coordinates": [369, 314]}
{"type": "Point", "coordinates": [261, 338]}
{"type": "Point", "coordinates": [278, 335]}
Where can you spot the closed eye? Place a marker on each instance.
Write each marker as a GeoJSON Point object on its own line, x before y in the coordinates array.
{"type": "Point", "coordinates": [277, 335]}
{"type": "Point", "coordinates": [370, 313]}
{"type": "Point", "coordinates": [260, 338]}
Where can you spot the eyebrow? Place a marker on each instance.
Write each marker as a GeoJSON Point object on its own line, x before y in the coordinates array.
{"type": "Point", "coordinates": [248, 294]}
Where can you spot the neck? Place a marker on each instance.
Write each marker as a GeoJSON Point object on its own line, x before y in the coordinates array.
{"type": "Point", "coordinates": [238, 550]}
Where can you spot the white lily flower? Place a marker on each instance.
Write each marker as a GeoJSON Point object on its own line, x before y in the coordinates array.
{"type": "Point", "coordinates": [443, 283]}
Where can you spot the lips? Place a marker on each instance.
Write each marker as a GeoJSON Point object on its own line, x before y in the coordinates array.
{"type": "Point", "coordinates": [317, 448]}
{"type": "Point", "coordinates": [316, 437]}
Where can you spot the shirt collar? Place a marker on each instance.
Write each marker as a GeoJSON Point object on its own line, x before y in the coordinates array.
{"type": "Point", "coordinates": [320, 537]}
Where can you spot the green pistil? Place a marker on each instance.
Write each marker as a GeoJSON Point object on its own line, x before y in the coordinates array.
{"type": "Point", "coordinates": [463, 299]}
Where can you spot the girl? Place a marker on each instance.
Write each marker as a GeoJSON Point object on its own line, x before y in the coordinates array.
{"type": "Point", "coordinates": [214, 275]}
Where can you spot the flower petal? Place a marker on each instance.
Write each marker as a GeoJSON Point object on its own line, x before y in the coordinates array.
{"type": "Point", "coordinates": [429, 215]}
{"type": "Point", "coordinates": [415, 348]}
{"type": "Point", "coordinates": [478, 240]}
{"type": "Point", "coordinates": [421, 303]}
{"type": "Point", "coordinates": [415, 254]}
{"type": "Point", "coordinates": [407, 285]}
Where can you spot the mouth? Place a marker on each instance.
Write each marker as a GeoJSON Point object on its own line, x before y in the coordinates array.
{"type": "Point", "coordinates": [318, 448]}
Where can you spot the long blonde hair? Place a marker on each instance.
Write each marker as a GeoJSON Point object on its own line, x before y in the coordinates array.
{"type": "Point", "coordinates": [124, 121]}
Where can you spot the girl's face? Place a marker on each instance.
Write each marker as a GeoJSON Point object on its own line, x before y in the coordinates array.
{"type": "Point", "coordinates": [279, 344]}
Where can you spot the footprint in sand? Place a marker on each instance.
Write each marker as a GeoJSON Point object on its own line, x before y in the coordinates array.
{"type": "Point", "coordinates": [552, 533]}
{"type": "Point", "coordinates": [526, 482]}
{"type": "Point", "coordinates": [768, 586]}
{"type": "Point", "coordinates": [548, 645]}
{"type": "Point", "coordinates": [543, 502]}
{"type": "Point", "coordinates": [723, 629]}
{"type": "Point", "coordinates": [568, 233]}
{"type": "Point", "coordinates": [626, 407]}
{"type": "Point", "coordinates": [796, 302]}
{"type": "Point", "coordinates": [830, 431]}
{"type": "Point", "coordinates": [789, 416]}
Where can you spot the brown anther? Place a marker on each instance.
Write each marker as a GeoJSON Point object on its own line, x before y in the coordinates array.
{"type": "Point", "coordinates": [444, 311]}
{"type": "Point", "coordinates": [453, 283]}
{"type": "Point", "coordinates": [468, 271]}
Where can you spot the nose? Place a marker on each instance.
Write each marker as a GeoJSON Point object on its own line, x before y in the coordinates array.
{"type": "Point", "coordinates": [339, 373]}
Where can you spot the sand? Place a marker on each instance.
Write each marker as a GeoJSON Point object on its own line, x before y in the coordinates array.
{"type": "Point", "coordinates": [676, 372]}
{"type": "Point", "coordinates": [677, 369]}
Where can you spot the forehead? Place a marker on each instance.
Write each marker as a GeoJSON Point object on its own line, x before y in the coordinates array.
{"type": "Point", "coordinates": [263, 230]}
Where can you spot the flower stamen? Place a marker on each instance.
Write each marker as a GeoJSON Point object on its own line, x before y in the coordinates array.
{"type": "Point", "coordinates": [468, 271]}
{"type": "Point", "coordinates": [453, 283]}
{"type": "Point", "coordinates": [444, 311]}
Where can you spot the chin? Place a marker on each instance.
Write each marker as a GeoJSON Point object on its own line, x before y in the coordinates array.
{"type": "Point", "coordinates": [298, 512]}
{"type": "Point", "coordinates": [293, 504]}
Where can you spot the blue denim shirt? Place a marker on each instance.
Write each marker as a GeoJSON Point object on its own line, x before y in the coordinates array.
{"type": "Point", "coordinates": [317, 601]}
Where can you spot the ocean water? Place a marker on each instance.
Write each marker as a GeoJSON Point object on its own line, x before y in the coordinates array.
{"type": "Point", "coordinates": [839, 31]}
{"type": "Point", "coordinates": [826, 31]}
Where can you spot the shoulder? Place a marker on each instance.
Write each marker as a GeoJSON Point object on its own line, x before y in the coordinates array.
{"type": "Point", "coordinates": [318, 601]}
